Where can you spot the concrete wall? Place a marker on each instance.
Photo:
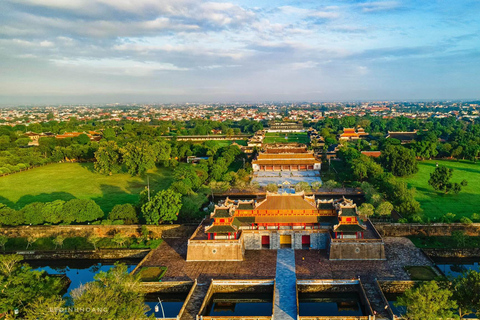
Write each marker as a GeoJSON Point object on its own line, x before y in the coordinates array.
{"type": "Point", "coordinates": [435, 229]}
{"type": "Point", "coordinates": [165, 231]}
{"type": "Point", "coordinates": [357, 250]}
{"type": "Point", "coordinates": [167, 286]}
{"type": "Point", "coordinates": [211, 250]}
{"type": "Point", "coordinates": [396, 286]}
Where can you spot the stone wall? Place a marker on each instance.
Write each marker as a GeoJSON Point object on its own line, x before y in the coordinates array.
{"type": "Point", "coordinates": [165, 231]}
{"type": "Point", "coordinates": [396, 286]}
{"type": "Point", "coordinates": [357, 250]}
{"type": "Point", "coordinates": [101, 254]}
{"type": "Point", "coordinates": [434, 229]}
{"type": "Point", "coordinates": [253, 238]}
{"type": "Point", "coordinates": [167, 287]}
{"type": "Point", "coordinates": [452, 253]}
{"type": "Point", "coordinates": [215, 250]}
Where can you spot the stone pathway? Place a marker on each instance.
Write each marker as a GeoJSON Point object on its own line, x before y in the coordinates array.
{"type": "Point", "coordinates": [194, 304]}
{"type": "Point", "coordinates": [285, 295]}
{"type": "Point", "coordinates": [376, 301]}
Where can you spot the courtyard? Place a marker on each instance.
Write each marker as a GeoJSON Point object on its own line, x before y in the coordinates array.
{"type": "Point", "coordinates": [285, 178]}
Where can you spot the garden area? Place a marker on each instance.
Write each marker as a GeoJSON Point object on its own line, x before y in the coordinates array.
{"type": "Point", "coordinates": [435, 204]}
{"type": "Point", "coordinates": [279, 137]}
{"type": "Point", "coordinates": [66, 181]}
{"type": "Point", "coordinates": [421, 273]}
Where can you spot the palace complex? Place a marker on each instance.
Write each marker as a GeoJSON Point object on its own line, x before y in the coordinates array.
{"type": "Point", "coordinates": [285, 220]}
{"type": "Point", "coordinates": [286, 157]}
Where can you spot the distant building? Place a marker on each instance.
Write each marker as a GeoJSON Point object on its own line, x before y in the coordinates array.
{"type": "Point", "coordinates": [352, 134]}
{"type": "Point", "coordinates": [285, 127]}
{"type": "Point", "coordinates": [373, 154]}
{"type": "Point", "coordinates": [403, 136]}
{"type": "Point", "coordinates": [286, 157]}
{"type": "Point", "coordinates": [93, 135]}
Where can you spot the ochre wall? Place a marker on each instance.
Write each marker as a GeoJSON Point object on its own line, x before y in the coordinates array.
{"type": "Point", "coordinates": [165, 231]}
{"type": "Point", "coordinates": [199, 250]}
{"type": "Point", "coordinates": [353, 250]}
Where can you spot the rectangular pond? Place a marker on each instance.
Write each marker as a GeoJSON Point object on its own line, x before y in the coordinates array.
{"type": "Point", "coordinates": [168, 304]}
{"type": "Point", "coordinates": [78, 271]}
{"type": "Point", "coordinates": [392, 299]}
{"type": "Point", "coordinates": [240, 304]}
{"type": "Point", "coordinates": [325, 304]}
{"type": "Point", "coordinates": [452, 267]}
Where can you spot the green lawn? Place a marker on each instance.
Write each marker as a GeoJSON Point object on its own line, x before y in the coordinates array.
{"type": "Point", "coordinates": [436, 204]}
{"type": "Point", "coordinates": [277, 137]}
{"type": "Point", "coordinates": [423, 273]}
{"type": "Point", "coordinates": [67, 181]}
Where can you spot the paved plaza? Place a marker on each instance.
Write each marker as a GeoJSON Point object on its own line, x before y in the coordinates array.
{"type": "Point", "coordinates": [310, 264]}
{"type": "Point", "coordinates": [286, 177]}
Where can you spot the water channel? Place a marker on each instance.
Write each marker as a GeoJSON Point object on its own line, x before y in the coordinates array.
{"type": "Point", "coordinates": [346, 304]}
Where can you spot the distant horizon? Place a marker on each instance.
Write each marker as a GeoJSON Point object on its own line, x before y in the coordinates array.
{"type": "Point", "coordinates": [232, 102]}
{"type": "Point", "coordinates": [175, 51]}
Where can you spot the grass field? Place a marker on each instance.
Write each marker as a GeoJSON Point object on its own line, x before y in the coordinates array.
{"type": "Point", "coordinates": [67, 181]}
{"type": "Point", "coordinates": [435, 204]}
{"type": "Point", "coordinates": [277, 137]}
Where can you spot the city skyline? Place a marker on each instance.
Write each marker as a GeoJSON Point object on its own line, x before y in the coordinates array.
{"type": "Point", "coordinates": [97, 51]}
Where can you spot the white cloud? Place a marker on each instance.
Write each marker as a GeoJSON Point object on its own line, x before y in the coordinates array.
{"type": "Point", "coordinates": [119, 66]}
{"type": "Point", "coordinates": [379, 6]}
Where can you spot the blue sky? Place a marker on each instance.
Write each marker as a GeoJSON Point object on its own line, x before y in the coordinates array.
{"type": "Point", "coordinates": [88, 51]}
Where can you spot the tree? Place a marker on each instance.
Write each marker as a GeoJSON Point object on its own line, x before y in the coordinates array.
{"type": "Point", "coordinates": [21, 285]}
{"type": "Point", "coordinates": [399, 160]}
{"type": "Point", "coordinates": [163, 207]}
{"type": "Point", "coordinates": [107, 158]}
{"type": "Point", "coordinates": [316, 185]}
{"type": "Point", "coordinates": [331, 184]}
{"type": "Point", "coordinates": [81, 210]}
{"type": "Point", "coordinates": [440, 180]}
{"type": "Point", "coordinates": [138, 157]}
{"type": "Point", "coordinates": [120, 239]}
{"type": "Point", "coordinates": [114, 294]}
{"type": "Point", "coordinates": [271, 187]}
{"type": "Point", "coordinates": [82, 139]}
{"type": "Point", "coordinates": [302, 186]}
{"type": "Point", "coordinates": [384, 209]}
{"type": "Point", "coordinates": [58, 241]}
{"type": "Point", "coordinates": [31, 240]}
{"type": "Point", "coordinates": [52, 211]}
{"type": "Point", "coordinates": [50, 308]}
{"type": "Point", "coordinates": [33, 213]}
{"type": "Point", "coordinates": [466, 291]}
{"type": "Point", "coordinates": [366, 209]}
{"type": "Point", "coordinates": [3, 241]}
{"type": "Point", "coordinates": [125, 212]}
{"type": "Point", "coordinates": [427, 302]}
{"type": "Point", "coordinates": [93, 239]}
{"type": "Point", "coordinates": [460, 238]}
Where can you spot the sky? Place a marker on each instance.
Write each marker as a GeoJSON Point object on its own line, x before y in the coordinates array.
{"type": "Point", "coordinates": [175, 51]}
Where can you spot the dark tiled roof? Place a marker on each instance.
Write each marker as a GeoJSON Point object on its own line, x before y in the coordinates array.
{"type": "Point", "coordinates": [220, 229]}
{"type": "Point", "coordinates": [243, 221]}
{"type": "Point", "coordinates": [403, 136]}
{"type": "Point", "coordinates": [286, 219]}
{"type": "Point", "coordinates": [348, 212]}
{"type": "Point", "coordinates": [325, 205]}
{"type": "Point", "coordinates": [246, 206]}
{"type": "Point", "coordinates": [221, 213]}
{"type": "Point", "coordinates": [349, 228]}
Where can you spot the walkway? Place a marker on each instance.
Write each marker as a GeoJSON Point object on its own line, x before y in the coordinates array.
{"type": "Point", "coordinates": [194, 304]}
{"type": "Point", "coordinates": [285, 301]}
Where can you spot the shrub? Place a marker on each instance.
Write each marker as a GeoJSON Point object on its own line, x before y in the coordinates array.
{"type": "Point", "coordinates": [465, 220]}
